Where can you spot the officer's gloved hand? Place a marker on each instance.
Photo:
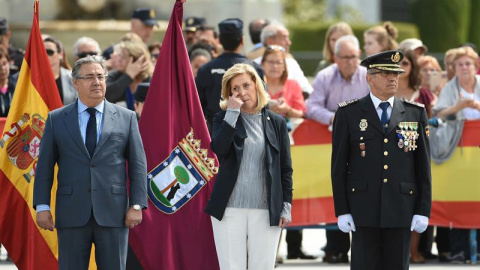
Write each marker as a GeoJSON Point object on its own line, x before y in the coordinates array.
{"type": "Point", "coordinates": [345, 223]}
{"type": "Point", "coordinates": [419, 223]}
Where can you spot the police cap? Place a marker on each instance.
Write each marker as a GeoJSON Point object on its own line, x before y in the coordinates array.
{"type": "Point", "coordinates": [388, 60]}
{"type": "Point", "coordinates": [231, 27]}
{"type": "Point", "coordinates": [192, 23]}
{"type": "Point", "coordinates": [146, 15]}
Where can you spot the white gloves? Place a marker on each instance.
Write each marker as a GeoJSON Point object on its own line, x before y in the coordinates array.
{"type": "Point", "coordinates": [345, 223]}
{"type": "Point", "coordinates": [419, 223]}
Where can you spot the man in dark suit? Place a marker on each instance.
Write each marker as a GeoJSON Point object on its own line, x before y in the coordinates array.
{"type": "Point", "coordinates": [381, 169]}
{"type": "Point", "coordinates": [91, 141]}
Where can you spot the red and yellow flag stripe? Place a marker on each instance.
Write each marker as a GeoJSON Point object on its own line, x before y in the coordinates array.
{"type": "Point", "coordinates": [455, 183]}
{"type": "Point", "coordinates": [35, 95]}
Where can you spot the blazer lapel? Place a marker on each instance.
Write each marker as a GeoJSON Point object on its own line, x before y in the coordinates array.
{"type": "Point", "coordinates": [398, 114]}
{"type": "Point", "coordinates": [109, 120]}
{"type": "Point", "coordinates": [71, 122]}
{"type": "Point", "coordinates": [269, 131]}
{"type": "Point", "coordinates": [371, 113]}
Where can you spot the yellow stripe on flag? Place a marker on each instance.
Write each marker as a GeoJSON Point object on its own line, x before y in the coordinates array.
{"type": "Point", "coordinates": [28, 101]}
{"type": "Point", "coordinates": [311, 171]}
{"type": "Point", "coordinates": [458, 178]}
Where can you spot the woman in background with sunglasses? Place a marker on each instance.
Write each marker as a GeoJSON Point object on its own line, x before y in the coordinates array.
{"type": "Point", "coordinates": [286, 94]}
{"type": "Point", "coordinates": [409, 84]}
{"type": "Point", "coordinates": [63, 76]}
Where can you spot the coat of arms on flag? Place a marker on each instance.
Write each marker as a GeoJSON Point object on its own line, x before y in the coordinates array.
{"type": "Point", "coordinates": [173, 182]}
{"type": "Point", "coordinates": [23, 142]}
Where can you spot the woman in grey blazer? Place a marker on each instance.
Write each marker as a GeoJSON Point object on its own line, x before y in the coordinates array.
{"type": "Point", "coordinates": [251, 199]}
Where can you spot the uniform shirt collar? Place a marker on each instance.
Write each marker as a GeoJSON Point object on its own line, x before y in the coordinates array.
{"type": "Point", "coordinates": [82, 107]}
{"type": "Point", "coordinates": [376, 101]}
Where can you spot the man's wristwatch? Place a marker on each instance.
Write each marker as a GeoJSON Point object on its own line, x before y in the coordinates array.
{"type": "Point", "coordinates": [137, 207]}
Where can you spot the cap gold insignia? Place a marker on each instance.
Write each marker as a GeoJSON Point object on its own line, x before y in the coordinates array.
{"type": "Point", "coordinates": [395, 57]}
{"type": "Point", "coordinates": [190, 21]}
{"type": "Point", "coordinates": [152, 13]}
{"type": "Point", "coordinates": [363, 125]}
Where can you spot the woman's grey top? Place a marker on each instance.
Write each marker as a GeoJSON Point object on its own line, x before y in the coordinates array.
{"type": "Point", "coordinates": [250, 190]}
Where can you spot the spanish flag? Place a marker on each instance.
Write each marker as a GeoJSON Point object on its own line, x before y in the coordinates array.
{"type": "Point", "coordinates": [35, 95]}
{"type": "Point", "coordinates": [455, 183]}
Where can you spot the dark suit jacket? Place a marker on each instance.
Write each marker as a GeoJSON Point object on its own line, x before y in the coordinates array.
{"type": "Point", "coordinates": [98, 183]}
{"type": "Point", "coordinates": [387, 186]}
{"type": "Point", "coordinates": [228, 142]}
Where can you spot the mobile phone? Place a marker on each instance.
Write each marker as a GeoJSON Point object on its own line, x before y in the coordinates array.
{"type": "Point", "coordinates": [437, 79]}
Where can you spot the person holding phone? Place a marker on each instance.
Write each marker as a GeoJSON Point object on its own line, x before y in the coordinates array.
{"type": "Point", "coordinates": [286, 94]}
{"type": "Point", "coordinates": [461, 96]}
{"type": "Point", "coordinates": [132, 65]}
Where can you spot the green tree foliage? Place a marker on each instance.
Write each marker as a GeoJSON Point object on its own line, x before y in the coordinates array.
{"type": "Point", "coordinates": [443, 24]}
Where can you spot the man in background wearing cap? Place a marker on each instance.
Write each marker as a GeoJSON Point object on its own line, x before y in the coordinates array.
{"type": "Point", "coordinates": [191, 26]}
{"type": "Point", "coordinates": [209, 76]}
{"type": "Point", "coordinates": [16, 55]}
{"type": "Point", "coordinates": [413, 44]}
{"type": "Point", "coordinates": [142, 22]}
{"type": "Point", "coordinates": [381, 176]}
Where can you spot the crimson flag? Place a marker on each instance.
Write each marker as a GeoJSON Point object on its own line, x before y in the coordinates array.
{"type": "Point", "coordinates": [175, 232]}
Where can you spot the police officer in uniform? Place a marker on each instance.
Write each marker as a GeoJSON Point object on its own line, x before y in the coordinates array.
{"type": "Point", "coordinates": [16, 54]}
{"type": "Point", "coordinates": [381, 169]}
{"type": "Point", "coordinates": [209, 76]}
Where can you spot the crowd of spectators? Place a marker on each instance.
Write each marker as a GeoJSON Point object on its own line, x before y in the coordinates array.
{"type": "Point", "coordinates": [451, 94]}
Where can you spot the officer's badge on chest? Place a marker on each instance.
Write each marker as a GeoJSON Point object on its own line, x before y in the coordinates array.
{"type": "Point", "coordinates": [407, 136]}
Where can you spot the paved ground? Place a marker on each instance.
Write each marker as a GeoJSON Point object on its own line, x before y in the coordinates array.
{"type": "Point", "coordinates": [313, 240]}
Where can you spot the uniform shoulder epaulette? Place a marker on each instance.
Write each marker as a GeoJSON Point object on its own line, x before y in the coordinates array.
{"type": "Point", "coordinates": [415, 103]}
{"type": "Point", "coordinates": [346, 103]}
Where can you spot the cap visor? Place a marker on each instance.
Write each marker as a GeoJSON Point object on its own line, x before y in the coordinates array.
{"type": "Point", "coordinates": [150, 22]}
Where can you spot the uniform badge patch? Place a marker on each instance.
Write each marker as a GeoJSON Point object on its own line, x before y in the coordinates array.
{"type": "Point", "coordinates": [172, 183]}
{"type": "Point", "coordinates": [363, 125]}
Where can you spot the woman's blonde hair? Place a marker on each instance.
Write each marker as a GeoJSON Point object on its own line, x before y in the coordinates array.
{"type": "Point", "coordinates": [238, 69]}
{"type": "Point", "coordinates": [136, 50]}
{"type": "Point", "coordinates": [385, 35]}
{"type": "Point", "coordinates": [466, 51]}
{"type": "Point", "coordinates": [341, 27]}
{"type": "Point", "coordinates": [427, 59]}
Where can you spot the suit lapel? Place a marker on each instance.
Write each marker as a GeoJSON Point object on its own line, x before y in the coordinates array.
{"type": "Point", "coordinates": [371, 113]}
{"type": "Point", "coordinates": [398, 114]}
{"type": "Point", "coordinates": [239, 139]}
{"type": "Point", "coordinates": [109, 120]}
{"type": "Point", "coordinates": [71, 122]}
{"type": "Point", "coordinates": [269, 131]}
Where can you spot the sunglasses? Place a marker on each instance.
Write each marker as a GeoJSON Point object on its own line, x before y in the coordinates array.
{"type": "Point", "coordinates": [276, 48]}
{"type": "Point", "coordinates": [155, 55]}
{"type": "Point", "coordinates": [50, 52]}
{"type": "Point", "coordinates": [85, 54]}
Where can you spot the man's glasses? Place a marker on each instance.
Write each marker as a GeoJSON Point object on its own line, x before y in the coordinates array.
{"type": "Point", "coordinates": [386, 73]}
{"type": "Point", "coordinates": [276, 47]}
{"type": "Point", "coordinates": [92, 78]}
{"type": "Point", "coordinates": [85, 54]}
{"type": "Point", "coordinates": [50, 52]}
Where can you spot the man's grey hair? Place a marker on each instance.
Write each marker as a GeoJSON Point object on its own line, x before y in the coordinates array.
{"type": "Point", "coordinates": [346, 39]}
{"type": "Point", "coordinates": [88, 60]}
{"type": "Point", "coordinates": [200, 51]}
{"type": "Point", "coordinates": [86, 40]}
{"type": "Point", "coordinates": [270, 31]}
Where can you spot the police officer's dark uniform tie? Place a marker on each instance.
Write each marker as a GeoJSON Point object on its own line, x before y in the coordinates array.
{"type": "Point", "coordinates": [384, 119]}
{"type": "Point", "coordinates": [91, 134]}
